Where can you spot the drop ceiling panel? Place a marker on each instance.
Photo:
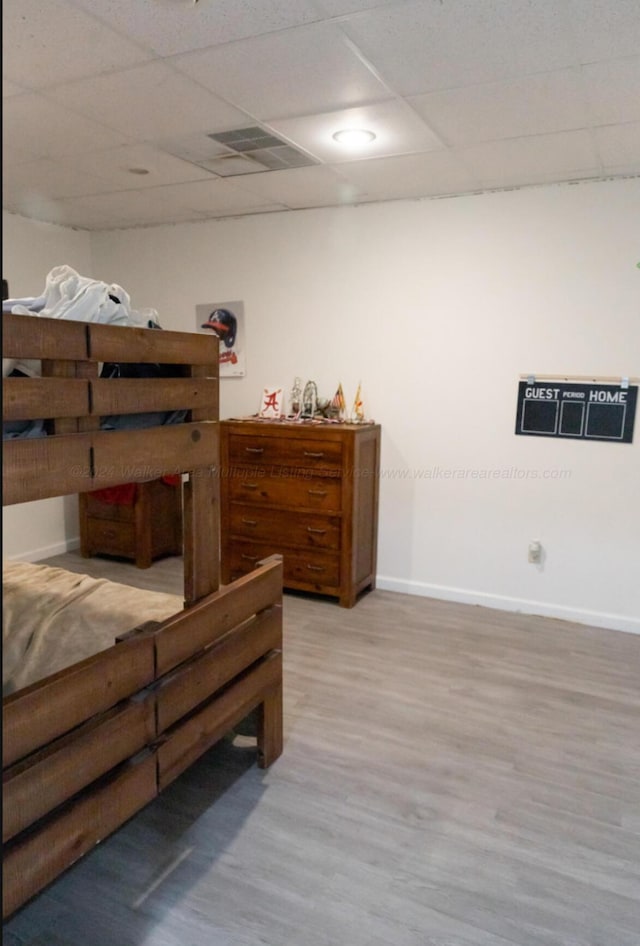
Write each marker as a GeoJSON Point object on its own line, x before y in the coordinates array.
{"type": "Point", "coordinates": [55, 42]}
{"type": "Point", "coordinates": [216, 196]}
{"type": "Point", "coordinates": [462, 95]}
{"type": "Point", "coordinates": [399, 131]}
{"type": "Point", "coordinates": [298, 72]}
{"type": "Point", "coordinates": [149, 204]}
{"type": "Point", "coordinates": [548, 102]}
{"type": "Point", "coordinates": [233, 165]}
{"type": "Point", "coordinates": [103, 215]}
{"type": "Point", "coordinates": [51, 178]}
{"type": "Point", "coordinates": [520, 161]}
{"type": "Point", "coordinates": [148, 102]}
{"type": "Point", "coordinates": [619, 145]}
{"type": "Point", "coordinates": [413, 175]}
{"type": "Point", "coordinates": [175, 26]}
{"type": "Point", "coordinates": [197, 148]}
{"type": "Point", "coordinates": [340, 7]}
{"type": "Point", "coordinates": [12, 155]}
{"type": "Point", "coordinates": [624, 170]}
{"type": "Point", "coordinates": [605, 29]}
{"type": "Point", "coordinates": [304, 187]}
{"type": "Point", "coordinates": [159, 205]}
{"type": "Point", "coordinates": [10, 88]}
{"type": "Point", "coordinates": [420, 47]}
{"type": "Point", "coordinates": [613, 90]}
{"type": "Point", "coordinates": [46, 209]}
{"type": "Point", "coordinates": [113, 167]}
{"type": "Point", "coordinates": [39, 128]}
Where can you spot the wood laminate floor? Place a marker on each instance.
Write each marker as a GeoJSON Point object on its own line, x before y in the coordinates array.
{"type": "Point", "coordinates": [452, 776]}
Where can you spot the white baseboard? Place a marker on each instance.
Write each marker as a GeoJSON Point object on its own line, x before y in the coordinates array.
{"type": "Point", "coordinates": [36, 555]}
{"type": "Point", "coordinates": [614, 622]}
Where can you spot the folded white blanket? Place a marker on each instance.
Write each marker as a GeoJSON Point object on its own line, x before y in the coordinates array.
{"type": "Point", "coordinates": [67, 295]}
{"type": "Point", "coordinates": [53, 618]}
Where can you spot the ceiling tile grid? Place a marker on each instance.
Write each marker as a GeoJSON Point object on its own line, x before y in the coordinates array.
{"type": "Point", "coordinates": [400, 130]}
{"type": "Point", "coordinates": [437, 173]}
{"type": "Point", "coordinates": [297, 72]}
{"type": "Point", "coordinates": [536, 158]}
{"type": "Point", "coordinates": [109, 107]}
{"type": "Point", "coordinates": [169, 27]}
{"type": "Point", "coordinates": [36, 127]}
{"type": "Point", "coordinates": [613, 90]}
{"type": "Point", "coordinates": [530, 105]}
{"type": "Point", "coordinates": [305, 187]}
{"type": "Point", "coordinates": [57, 42]}
{"type": "Point", "coordinates": [55, 179]}
{"type": "Point", "coordinates": [124, 168]}
{"type": "Point", "coordinates": [618, 145]}
{"type": "Point", "coordinates": [147, 102]}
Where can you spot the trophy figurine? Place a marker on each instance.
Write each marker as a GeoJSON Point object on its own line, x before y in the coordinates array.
{"type": "Point", "coordinates": [295, 398]}
{"type": "Point", "coordinates": [309, 399]}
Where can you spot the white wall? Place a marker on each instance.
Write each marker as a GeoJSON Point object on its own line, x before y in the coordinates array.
{"type": "Point", "coordinates": [438, 306]}
{"type": "Point", "coordinates": [30, 250]}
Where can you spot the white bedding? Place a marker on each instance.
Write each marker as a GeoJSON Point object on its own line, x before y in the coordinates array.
{"type": "Point", "coordinates": [53, 618]}
{"type": "Point", "coordinates": [68, 295]}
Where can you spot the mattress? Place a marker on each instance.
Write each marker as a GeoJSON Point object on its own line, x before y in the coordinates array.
{"type": "Point", "coordinates": [53, 618]}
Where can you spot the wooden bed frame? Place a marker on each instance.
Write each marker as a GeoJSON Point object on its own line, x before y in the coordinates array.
{"type": "Point", "coordinates": [86, 748]}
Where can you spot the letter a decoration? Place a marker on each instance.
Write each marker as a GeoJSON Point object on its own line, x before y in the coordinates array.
{"type": "Point", "coordinates": [272, 401]}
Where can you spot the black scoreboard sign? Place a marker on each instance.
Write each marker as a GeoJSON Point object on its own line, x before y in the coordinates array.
{"type": "Point", "coordinates": [580, 411]}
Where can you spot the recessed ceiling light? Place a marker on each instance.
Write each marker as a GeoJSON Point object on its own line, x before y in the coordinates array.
{"type": "Point", "coordinates": [138, 170]}
{"type": "Point", "coordinates": [354, 137]}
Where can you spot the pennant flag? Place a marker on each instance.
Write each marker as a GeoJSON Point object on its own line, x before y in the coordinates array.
{"type": "Point", "coordinates": [338, 402]}
{"type": "Point", "coordinates": [358, 406]}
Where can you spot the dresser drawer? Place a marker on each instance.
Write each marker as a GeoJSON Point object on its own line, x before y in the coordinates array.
{"type": "Point", "coordinates": [268, 452]}
{"type": "Point", "coordinates": [151, 526]}
{"type": "Point", "coordinates": [307, 490]}
{"type": "Point", "coordinates": [114, 512]}
{"type": "Point", "coordinates": [285, 529]}
{"type": "Point", "coordinates": [307, 569]}
{"type": "Point", "coordinates": [111, 537]}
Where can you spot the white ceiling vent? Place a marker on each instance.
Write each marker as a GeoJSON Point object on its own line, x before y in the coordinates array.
{"type": "Point", "coordinates": [231, 165]}
{"type": "Point", "coordinates": [254, 149]}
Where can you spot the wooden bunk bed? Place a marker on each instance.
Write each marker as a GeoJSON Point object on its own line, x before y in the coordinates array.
{"type": "Point", "coordinates": [87, 747]}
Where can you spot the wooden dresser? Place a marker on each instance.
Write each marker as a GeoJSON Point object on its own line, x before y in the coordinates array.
{"type": "Point", "coordinates": [149, 527]}
{"type": "Point", "coordinates": [307, 491]}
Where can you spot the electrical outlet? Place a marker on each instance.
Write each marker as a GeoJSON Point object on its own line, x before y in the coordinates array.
{"type": "Point", "coordinates": [535, 552]}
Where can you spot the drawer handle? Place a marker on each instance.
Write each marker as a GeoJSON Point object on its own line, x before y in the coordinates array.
{"type": "Point", "coordinates": [316, 568]}
{"type": "Point", "coordinates": [249, 558]}
{"type": "Point", "coordinates": [317, 492]}
{"type": "Point", "coordinates": [310, 453]}
{"type": "Point", "coordinates": [316, 531]}
{"type": "Point", "coordinates": [250, 522]}
{"type": "Point", "coordinates": [249, 485]}
{"type": "Point", "coordinates": [254, 449]}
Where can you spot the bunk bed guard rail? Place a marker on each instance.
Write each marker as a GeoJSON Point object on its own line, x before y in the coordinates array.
{"type": "Point", "coordinates": [78, 456]}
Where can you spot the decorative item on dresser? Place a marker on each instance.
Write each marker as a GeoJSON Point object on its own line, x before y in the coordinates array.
{"type": "Point", "coordinates": [142, 522]}
{"type": "Point", "coordinates": [308, 491]}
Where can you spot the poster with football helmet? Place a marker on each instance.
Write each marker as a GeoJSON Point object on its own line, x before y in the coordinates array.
{"type": "Point", "coordinates": [226, 320]}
